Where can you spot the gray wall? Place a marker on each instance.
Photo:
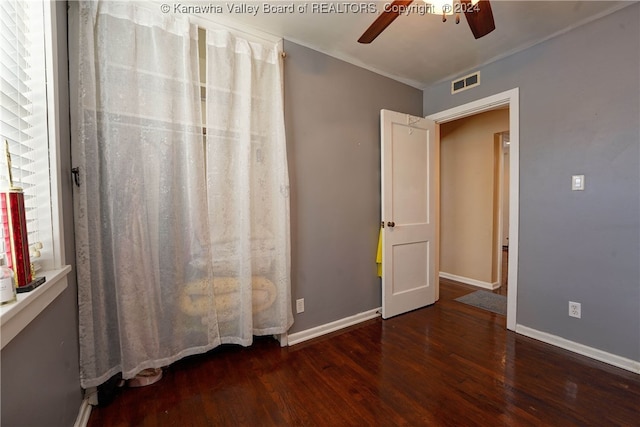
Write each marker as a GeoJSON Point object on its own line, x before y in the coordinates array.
{"type": "Point", "coordinates": [332, 112]}
{"type": "Point", "coordinates": [579, 114]}
{"type": "Point", "coordinates": [40, 370]}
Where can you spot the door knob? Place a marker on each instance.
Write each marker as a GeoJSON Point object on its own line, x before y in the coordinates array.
{"type": "Point", "coordinates": [391, 224]}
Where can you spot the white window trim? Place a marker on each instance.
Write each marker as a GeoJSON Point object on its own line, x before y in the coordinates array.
{"type": "Point", "coordinates": [53, 113]}
{"type": "Point", "coordinates": [16, 316]}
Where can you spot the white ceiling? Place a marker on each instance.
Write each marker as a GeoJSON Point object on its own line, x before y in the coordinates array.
{"type": "Point", "coordinates": [420, 49]}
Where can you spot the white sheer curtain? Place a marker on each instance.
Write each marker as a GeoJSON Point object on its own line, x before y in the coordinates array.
{"type": "Point", "coordinates": [247, 180]}
{"type": "Point", "coordinates": [151, 289]}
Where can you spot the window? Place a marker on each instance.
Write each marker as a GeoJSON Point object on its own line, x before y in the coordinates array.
{"type": "Point", "coordinates": [23, 118]}
{"type": "Point", "coordinates": [30, 121]}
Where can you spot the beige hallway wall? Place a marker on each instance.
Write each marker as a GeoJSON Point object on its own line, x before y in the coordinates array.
{"type": "Point", "coordinates": [468, 158]}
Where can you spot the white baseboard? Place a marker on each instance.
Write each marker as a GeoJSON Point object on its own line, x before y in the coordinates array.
{"type": "Point", "coordinates": [282, 339]}
{"type": "Point", "coordinates": [594, 353]}
{"type": "Point", "coordinates": [469, 281]}
{"type": "Point", "coordinates": [83, 414]}
{"type": "Point", "coordinates": [327, 328]}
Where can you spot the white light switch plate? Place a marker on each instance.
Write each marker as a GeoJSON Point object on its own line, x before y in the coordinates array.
{"type": "Point", "coordinates": [577, 182]}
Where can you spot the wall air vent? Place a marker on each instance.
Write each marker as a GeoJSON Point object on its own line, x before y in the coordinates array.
{"type": "Point", "coordinates": [466, 82]}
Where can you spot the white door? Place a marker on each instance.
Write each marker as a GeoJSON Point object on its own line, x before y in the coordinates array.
{"type": "Point", "coordinates": [408, 213]}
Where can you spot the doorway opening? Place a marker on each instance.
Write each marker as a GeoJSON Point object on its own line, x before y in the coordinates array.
{"type": "Point", "coordinates": [471, 214]}
{"type": "Point", "coordinates": [504, 143]}
{"type": "Point", "coordinates": [508, 99]}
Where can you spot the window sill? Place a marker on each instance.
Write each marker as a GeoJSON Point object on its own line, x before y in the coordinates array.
{"type": "Point", "coordinates": [15, 317]}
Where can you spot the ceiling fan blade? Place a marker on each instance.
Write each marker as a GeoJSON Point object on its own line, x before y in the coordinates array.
{"type": "Point", "coordinates": [479, 18]}
{"type": "Point", "coordinates": [387, 17]}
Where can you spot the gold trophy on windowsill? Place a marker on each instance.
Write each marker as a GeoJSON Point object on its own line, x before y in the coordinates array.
{"type": "Point", "coordinates": [14, 233]}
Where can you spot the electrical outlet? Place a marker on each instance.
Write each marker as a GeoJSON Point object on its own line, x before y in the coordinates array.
{"type": "Point", "coordinates": [574, 309]}
{"type": "Point", "coordinates": [300, 305]}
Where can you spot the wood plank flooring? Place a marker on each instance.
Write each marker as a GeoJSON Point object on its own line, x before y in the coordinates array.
{"type": "Point", "coordinates": [445, 365]}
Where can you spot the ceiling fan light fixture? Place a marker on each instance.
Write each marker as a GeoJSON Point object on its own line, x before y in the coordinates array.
{"type": "Point", "coordinates": [440, 7]}
{"type": "Point", "coordinates": [480, 19]}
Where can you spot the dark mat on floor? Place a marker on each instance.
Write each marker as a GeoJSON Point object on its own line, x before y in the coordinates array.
{"type": "Point", "coordinates": [486, 300]}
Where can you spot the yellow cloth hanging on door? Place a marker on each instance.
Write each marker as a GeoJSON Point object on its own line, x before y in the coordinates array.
{"type": "Point", "coordinates": [379, 254]}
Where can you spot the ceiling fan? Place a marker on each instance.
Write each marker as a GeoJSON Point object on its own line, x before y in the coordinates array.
{"type": "Point", "coordinates": [478, 13]}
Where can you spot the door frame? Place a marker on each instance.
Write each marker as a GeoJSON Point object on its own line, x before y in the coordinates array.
{"type": "Point", "coordinates": [509, 98]}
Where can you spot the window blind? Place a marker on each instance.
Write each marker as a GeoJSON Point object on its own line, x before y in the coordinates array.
{"type": "Point", "coordinates": [23, 117]}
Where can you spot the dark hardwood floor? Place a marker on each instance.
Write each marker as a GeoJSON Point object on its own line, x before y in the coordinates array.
{"type": "Point", "coordinates": [449, 364]}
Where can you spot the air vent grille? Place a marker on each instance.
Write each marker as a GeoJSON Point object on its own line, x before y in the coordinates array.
{"type": "Point", "coordinates": [466, 82]}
